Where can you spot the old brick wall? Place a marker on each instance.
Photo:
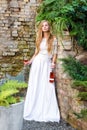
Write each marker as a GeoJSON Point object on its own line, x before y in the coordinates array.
{"type": "Point", "coordinates": [17, 24]}
{"type": "Point", "coordinates": [68, 100]}
{"type": "Point", "coordinates": [17, 32]}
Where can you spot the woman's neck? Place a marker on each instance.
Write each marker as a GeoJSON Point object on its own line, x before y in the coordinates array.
{"type": "Point", "coordinates": [46, 35]}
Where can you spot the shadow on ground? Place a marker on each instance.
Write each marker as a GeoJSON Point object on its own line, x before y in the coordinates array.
{"type": "Point", "coordinates": [32, 125]}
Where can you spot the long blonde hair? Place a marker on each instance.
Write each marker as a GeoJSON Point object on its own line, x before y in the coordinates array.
{"type": "Point", "coordinates": [40, 36]}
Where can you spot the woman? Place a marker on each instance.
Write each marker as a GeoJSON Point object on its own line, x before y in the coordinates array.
{"type": "Point", "coordinates": [41, 103]}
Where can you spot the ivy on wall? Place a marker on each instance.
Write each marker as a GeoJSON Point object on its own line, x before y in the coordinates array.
{"type": "Point", "coordinates": [75, 68]}
{"type": "Point", "coordinates": [66, 14]}
{"type": "Point", "coordinates": [78, 72]}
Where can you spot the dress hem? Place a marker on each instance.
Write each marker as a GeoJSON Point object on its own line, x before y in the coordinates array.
{"type": "Point", "coordinates": [42, 120]}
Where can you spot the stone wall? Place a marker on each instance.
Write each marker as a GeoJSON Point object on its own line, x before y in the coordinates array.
{"type": "Point", "coordinates": [68, 101]}
{"type": "Point", "coordinates": [17, 32]}
{"type": "Point", "coordinates": [17, 24]}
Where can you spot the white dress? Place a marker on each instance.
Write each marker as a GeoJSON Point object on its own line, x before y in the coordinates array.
{"type": "Point", "coordinates": [40, 102]}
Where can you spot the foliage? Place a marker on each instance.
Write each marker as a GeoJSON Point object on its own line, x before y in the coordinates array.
{"type": "Point", "coordinates": [82, 114]}
{"type": "Point", "coordinates": [75, 69]}
{"type": "Point", "coordinates": [66, 14]}
{"type": "Point", "coordinates": [82, 87]}
{"type": "Point", "coordinates": [78, 72]}
{"type": "Point", "coordinates": [82, 83]}
{"type": "Point", "coordinates": [82, 96]}
{"type": "Point", "coordinates": [10, 92]}
{"type": "Point", "coordinates": [12, 84]}
{"type": "Point", "coordinates": [4, 96]}
{"type": "Point", "coordinates": [49, 10]}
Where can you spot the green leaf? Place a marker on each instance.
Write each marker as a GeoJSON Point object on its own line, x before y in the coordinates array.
{"type": "Point", "coordinates": [47, 2]}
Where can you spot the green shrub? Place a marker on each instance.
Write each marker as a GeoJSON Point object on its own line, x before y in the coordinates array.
{"type": "Point", "coordinates": [11, 92]}
{"type": "Point", "coordinates": [82, 114]}
{"type": "Point", "coordinates": [83, 96]}
{"type": "Point", "coordinates": [80, 85]}
{"type": "Point", "coordinates": [75, 68]}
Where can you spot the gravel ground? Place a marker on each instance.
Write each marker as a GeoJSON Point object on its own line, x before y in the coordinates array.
{"type": "Point", "coordinates": [32, 125]}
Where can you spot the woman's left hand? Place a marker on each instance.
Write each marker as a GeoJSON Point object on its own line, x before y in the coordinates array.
{"type": "Point", "coordinates": [53, 65]}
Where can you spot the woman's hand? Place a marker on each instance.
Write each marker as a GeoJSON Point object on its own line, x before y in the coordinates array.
{"type": "Point", "coordinates": [27, 62]}
{"type": "Point", "coordinates": [53, 65]}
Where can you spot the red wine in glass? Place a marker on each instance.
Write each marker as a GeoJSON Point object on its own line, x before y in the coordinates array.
{"type": "Point", "coordinates": [25, 60]}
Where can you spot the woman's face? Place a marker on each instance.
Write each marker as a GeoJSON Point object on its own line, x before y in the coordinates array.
{"type": "Point", "coordinates": [45, 27]}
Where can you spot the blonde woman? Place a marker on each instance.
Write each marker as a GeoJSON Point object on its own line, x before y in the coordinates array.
{"type": "Point", "coordinates": [40, 102]}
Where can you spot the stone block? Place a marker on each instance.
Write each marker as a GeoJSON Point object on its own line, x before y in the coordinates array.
{"type": "Point", "coordinates": [26, 1]}
{"type": "Point", "coordinates": [84, 124]}
{"type": "Point", "coordinates": [26, 39]}
{"type": "Point", "coordinates": [2, 25]}
{"type": "Point", "coordinates": [14, 33]}
{"type": "Point", "coordinates": [2, 11]}
{"type": "Point", "coordinates": [22, 42]}
{"type": "Point", "coordinates": [14, 3]}
{"type": "Point", "coordinates": [14, 50]}
{"type": "Point", "coordinates": [8, 53]}
{"type": "Point", "coordinates": [32, 1]}
{"type": "Point", "coordinates": [76, 123]}
{"type": "Point", "coordinates": [21, 19]}
{"type": "Point", "coordinates": [25, 50]}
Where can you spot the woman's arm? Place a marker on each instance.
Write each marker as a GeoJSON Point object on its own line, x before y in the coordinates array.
{"type": "Point", "coordinates": [32, 58]}
{"type": "Point", "coordinates": [35, 53]}
{"type": "Point", "coordinates": [54, 58]}
{"type": "Point", "coordinates": [55, 51]}
{"type": "Point", "coordinates": [54, 61]}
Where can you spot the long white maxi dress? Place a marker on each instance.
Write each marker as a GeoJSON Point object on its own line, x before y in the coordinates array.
{"type": "Point", "coordinates": [41, 102]}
